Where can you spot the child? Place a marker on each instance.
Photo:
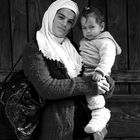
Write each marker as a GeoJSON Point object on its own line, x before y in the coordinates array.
{"type": "Point", "coordinates": [98, 50]}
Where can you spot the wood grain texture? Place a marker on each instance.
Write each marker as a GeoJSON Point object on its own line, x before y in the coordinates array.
{"type": "Point", "coordinates": [134, 39]}
{"type": "Point", "coordinates": [117, 26]}
{"type": "Point", "coordinates": [134, 34]}
{"type": "Point", "coordinates": [5, 36]}
{"type": "Point", "coordinates": [36, 9]}
{"type": "Point", "coordinates": [18, 29]}
{"type": "Point", "coordinates": [125, 116]}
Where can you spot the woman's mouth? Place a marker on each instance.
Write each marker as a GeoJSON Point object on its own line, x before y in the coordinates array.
{"type": "Point", "coordinates": [62, 29]}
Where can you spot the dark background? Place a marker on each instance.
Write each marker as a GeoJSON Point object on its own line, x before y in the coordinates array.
{"type": "Point", "coordinates": [19, 19]}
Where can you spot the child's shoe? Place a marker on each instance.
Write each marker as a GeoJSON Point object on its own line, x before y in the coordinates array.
{"type": "Point", "coordinates": [99, 119]}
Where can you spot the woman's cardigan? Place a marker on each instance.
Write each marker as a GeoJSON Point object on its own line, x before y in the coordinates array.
{"type": "Point", "coordinates": [65, 113]}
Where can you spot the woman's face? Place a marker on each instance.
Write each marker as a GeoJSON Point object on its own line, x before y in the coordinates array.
{"type": "Point", "coordinates": [63, 22]}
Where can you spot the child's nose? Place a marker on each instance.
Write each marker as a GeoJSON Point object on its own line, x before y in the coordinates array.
{"type": "Point", "coordinates": [88, 30]}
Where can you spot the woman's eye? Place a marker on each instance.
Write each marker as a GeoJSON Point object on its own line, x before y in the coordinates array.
{"type": "Point", "coordinates": [70, 22]}
{"type": "Point", "coordinates": [60, 17]}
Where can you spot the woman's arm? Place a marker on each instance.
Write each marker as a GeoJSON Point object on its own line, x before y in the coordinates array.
{"type": "Point", "coordinates": [37, 71]}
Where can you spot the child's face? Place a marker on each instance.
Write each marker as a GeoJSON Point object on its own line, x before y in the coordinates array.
{"type": "Point", "coordinates": [90, 27]}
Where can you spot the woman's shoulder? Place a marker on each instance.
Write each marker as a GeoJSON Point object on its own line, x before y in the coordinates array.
{"type": "Point", "coordinates": [31, 48]}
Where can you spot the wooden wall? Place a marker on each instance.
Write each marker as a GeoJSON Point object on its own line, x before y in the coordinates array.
{"type": "Point", "coordinates": [19, 19]}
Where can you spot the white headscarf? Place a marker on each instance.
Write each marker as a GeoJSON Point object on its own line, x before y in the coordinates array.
{"type": "Point", "coordinates": [49, 44]}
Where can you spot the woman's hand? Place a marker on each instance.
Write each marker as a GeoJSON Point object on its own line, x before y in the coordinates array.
{"type": "Point", "coordinates": [112, 87]}
{"type": "Point", "coordinates": [103, 86]}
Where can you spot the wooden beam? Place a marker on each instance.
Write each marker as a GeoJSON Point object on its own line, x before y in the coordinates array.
{"type": "Point", "coordinates": [126, 76]}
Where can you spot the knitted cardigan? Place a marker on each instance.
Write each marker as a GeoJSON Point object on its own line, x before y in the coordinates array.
{"type": "Point", "coordinates": [65, 114]}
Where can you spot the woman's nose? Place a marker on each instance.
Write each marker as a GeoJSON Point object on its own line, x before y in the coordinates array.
{"type": "Point", "coordinates": [65, 22]}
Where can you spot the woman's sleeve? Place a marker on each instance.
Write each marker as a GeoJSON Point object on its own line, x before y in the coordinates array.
{"type": "Point", "coordinates": [37, 71]}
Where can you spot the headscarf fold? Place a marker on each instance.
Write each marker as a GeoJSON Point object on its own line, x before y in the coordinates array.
{"type": "Point", "coordinates": [50, 45]}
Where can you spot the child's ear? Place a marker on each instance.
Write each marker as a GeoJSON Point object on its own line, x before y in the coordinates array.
{"type": "Point", "coordinates": [102, 26]}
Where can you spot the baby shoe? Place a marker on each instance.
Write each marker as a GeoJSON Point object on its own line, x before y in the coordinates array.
{"type": "Point", "coordinates": [99, 120]}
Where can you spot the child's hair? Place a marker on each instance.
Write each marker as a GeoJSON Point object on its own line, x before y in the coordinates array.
{"type": "Point", "coordinates": [92, 11]}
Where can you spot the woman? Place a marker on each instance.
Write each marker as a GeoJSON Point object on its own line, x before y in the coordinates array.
{"type": "Point", "coordinates": [52, 65]}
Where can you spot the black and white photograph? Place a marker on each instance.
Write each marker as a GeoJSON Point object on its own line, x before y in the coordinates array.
{"type": "Point", "coordinates": [70, 70]}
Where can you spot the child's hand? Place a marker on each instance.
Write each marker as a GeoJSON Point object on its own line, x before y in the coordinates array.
{"type": "Point", "coordinates": [87, 73]}
{"type": "Point", "coordinates": [97, 76]}
{"type": "Point", "coordinates": [103, 86]}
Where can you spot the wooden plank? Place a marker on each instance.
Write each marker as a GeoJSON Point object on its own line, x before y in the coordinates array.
{"type": "Point", "coordinates": [124, 115]}
{"type": "Point", "coordinates": [123, 79]}
{"type": "Point", "coordinates": [18, 28]}
{"type": "Point", "coordinates": [124, 98]}
{"type": "Point", "coordinates": [101, 5]}
{"type": "Point", "coordinates": [134, 39]}
{"type": "Point", "coordinates": [44, 6]}
{"type": "Point", "coordinates": [117, 25]}
{"type": "Point", "coordinates": [5, 38]}
{"type": "Point", "coordinates": [134, 33]}
{"type": "Point", "coordinates": [113, 138]}
{"type": "Point", "coordinates": [126, 76]}
{"type": "Point", "coordinates": [36, 9]}
{"type": "Point", "coordinates": [131, 139]}
{"type": "Point", "coordinates": [124, 129]}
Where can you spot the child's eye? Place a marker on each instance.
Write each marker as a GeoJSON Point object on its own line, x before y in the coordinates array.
{"type": "Point", "coordinates": [83, 28]}
{"type": "Point", "coordinates": [71, 22]}
{"type": "Point", "coordinates": [91, 27]}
